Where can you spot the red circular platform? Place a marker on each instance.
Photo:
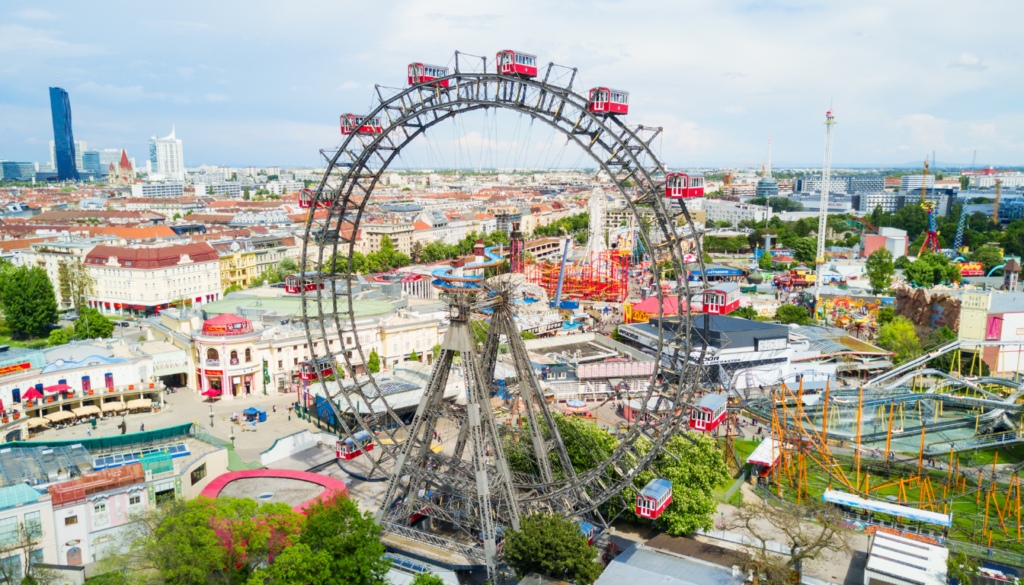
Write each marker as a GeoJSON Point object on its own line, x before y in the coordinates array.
{"type": "Point", "coordinates": [330, 484]}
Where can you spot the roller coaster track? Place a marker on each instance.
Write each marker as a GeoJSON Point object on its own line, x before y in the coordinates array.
{"type": "Point", "coordinates": [445, 280]}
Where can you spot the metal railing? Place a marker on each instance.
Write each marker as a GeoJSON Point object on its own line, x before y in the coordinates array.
{"type": "Point", "coordinates": [472, 552]}
{"type": "Point", "coordinates": [985, 552]}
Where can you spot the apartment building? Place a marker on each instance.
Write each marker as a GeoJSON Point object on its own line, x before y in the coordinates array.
{"type": "Point", "coordinates": [718, 210]}
{"type": "Point", "coordinates": [401, 235]}
{"type": "Point", "coordinates": [141, 281]}
{"type": "Point", "coordinates": [55, 257]}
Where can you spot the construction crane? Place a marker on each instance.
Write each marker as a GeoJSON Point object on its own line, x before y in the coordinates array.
{"type": "Point", "coordinates": [924, 179]}
{"type": "Point", "coordinates": [995, 208]}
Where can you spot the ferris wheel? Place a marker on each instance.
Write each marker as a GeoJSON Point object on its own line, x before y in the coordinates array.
{"type": "Point", "coordinates": [458, 499]}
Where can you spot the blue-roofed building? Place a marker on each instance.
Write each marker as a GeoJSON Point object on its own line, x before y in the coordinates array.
{"type": "Point", "coordinates": [23, 505]}
{"type": "Point", "coordinates": [643, 564]}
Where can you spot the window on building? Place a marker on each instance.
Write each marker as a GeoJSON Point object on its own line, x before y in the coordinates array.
{"type": "Point", "coordinates": [164, 492]}
{"type": "Point", "coordinates": [280, 364]}
{"type": "Point", "coordinates": [70, 520]}
{"type": "Point", "coordinates": [211, 354]}
{"type": "Point", "coordinates": [248, 355]}
{"type": "Point", "coordinates": [234, 357]}
{"type": "Point", "coordinates": [34, 524]}
{"type": "Point", "coordinates": [135, 500]}
{"type": "Point", "coordinates": [295, 361]}
{"type": "Point", "coordinates": [100, 508]}
{"type": "Point", "coordinates": [9, 530]}
{"type": "Point", "coordinates": [198, 474]}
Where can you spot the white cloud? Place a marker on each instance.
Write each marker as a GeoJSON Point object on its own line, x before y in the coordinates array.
{"type": "Point", "coordinates": [969, 62]}
{"type": "Point", "coordinates": [348, 85]}
{"type": "Point", "coordinates": [922, 132]}
{"type": "Point", "coordinates": [216, 97]}
{"type": "Point", "coordinates": [34, 14]}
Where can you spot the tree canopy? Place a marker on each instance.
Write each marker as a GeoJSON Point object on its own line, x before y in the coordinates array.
{"type": "Point", "coordinates": [28, 300]}
{"type": "Point", "coordinates": [900, 337]}
{"type": "Point", "coordinates": [92, 324]}
{"type": "Point", "coordinates": [931, 269]}
{"type": "Point", "coordinates": [880, 269]}
{"type": "Point", "coordinates": [787, 314]}
{"type": "Point", "coordinates": [552, 546]}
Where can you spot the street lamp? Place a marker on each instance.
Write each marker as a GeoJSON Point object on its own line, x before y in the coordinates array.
{"type": "Point", "coordinates": [211, 416]}
{"type": "Point", "coordinates": [232, 437]}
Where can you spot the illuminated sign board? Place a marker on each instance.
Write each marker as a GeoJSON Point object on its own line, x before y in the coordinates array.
{"type": "Point", "coordinates": [971, 268]}
{"type": "Point", "coordinates": [15, 368]}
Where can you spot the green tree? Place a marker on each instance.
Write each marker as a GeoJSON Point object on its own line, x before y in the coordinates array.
{"type": "Point", "coordinates": [552, 546]}
{"type": "Point", "coordinates": [880, 269]}
{"type": "Point", "coordinates": [930, 269]}
{"type": "Point", "coordinates": [900, 337]}
{"type": "Point", "coordinates": [92, 324]}
{"type": "Point", "coordinates": [527, 335]}
{"type": "Point", "coordinates": [960, 568]}
{"type": "Point", "coordinates": [176, 217]}
{"type": "Point", "coordinates": [28, 301]}
{"type": "Point", "coordinates": [285, 267]}
{"type": "Point", "coordinates": [209, 190]}
{"type": "Point", "coordinates": [232, 288]}
{"type": "Point", "coordinates": [989, 256]}
{"type": "Point", "coordinates": [787, 314]}
{"type": "Point", "coordinates": [270, 275]}
{"type": "Point", "coordinates": [747, 312]}
{"type": "Point", "coordinates": [805, 249]}
{"type": "Point", "coordinates": [886, 315]}
{"type": "Point", "coordinates": [245, 193]}
{"type": "Point", "coordinates": [373, 363]}
{"type": "Point", "coordinates": [61, 336]}
{"type": "Point", "coordinates": [765, 261]}
{"type": "Point", "coordinates": [351, 541]}
{"type": "Point", "coordinates": [427, 579]}
{"type": "Point", "coordinates": [616, 336]}
{"type": "Point", "coordinates": [965, 183]}
{"type": "Point", "coordinates": [414, 357]}
{"type": "Point", "coordinates": [76, 285]}
{"type": "Point", "coordinates": [436, 350]}
{"type": "Point", "coordinates": [417, 252]}
{"type": "Point", "coordinates": [695, 467]}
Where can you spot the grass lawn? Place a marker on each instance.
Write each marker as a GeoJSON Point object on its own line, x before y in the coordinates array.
{"type": "Point", "coordinates": [31, 343]}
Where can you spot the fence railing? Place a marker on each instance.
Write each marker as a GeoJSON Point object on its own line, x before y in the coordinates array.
{"type": "Point", "coordinates": [474, 553]}
{"type": "Point", "coordinates": [984, 552]}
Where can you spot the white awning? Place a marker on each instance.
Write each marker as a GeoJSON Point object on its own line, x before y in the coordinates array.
{"type": "Point", "coordinates": [113, 406]}
{"type": "Point", "coordinates": [845, 499]}
{"type": "Point", "coordinates": [59, 415]}
{"type": "Point", "coordinates": [139, 403]}
{"type": "Point", "coordinates": [37, 422]}
{"type": "Point", "coordinates": [767, 453]}
{"type": "Point", "coordinates": [86, 410]}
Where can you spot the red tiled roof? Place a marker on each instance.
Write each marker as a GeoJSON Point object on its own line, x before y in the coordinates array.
{"type": "Point", "coordinates": [140, 233]}
{"type": "Point", "coordinates": [421, 225]}
{"type": "Point", "coordinates": [152, 257]}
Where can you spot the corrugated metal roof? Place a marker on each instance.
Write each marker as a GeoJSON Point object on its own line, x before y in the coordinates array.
{"type": "Point", "coordinates": [641, 564]}
{"type": "Point", "coordinates": [656, 488]}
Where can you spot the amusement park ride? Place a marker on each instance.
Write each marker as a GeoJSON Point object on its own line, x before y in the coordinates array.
{"type": "Point", "coordinates": [457, 499]}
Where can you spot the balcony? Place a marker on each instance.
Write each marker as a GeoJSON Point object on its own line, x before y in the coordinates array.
{"type": "Point", "coordinates": [212, 362]}
{"type": "Point", "coordinates": [234, 362]}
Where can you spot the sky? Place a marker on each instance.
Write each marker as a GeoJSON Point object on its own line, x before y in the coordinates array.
{"type": "Point", "coordinates": [263, 83]}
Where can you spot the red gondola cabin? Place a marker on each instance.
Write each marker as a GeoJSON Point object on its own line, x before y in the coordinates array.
{"type": "Point", "coordinates": [684, 185]}
{"type": "Point", "coordinates": [360, 125]}
{"type": "Point", "coordinates": [608, 101]}
{"type": "Point", "coordinates": [354, 446]}
{"type": "Point", "coordinates": [722, 299]}
{"type": "Point", "coordinates": [324, 365]}
{"type": "Point", "coordinates": [429, 74]}
{"type": "Point", "coordinates": [708, 413]}
{"type": "Point", "coordinates": [654, 498]}
{"type": "Point", "coordinates": [306, 199]}
{"type": "Point", "coordinates": [518, 64]}
{"type": "Point", "coordinates": [296, 283]}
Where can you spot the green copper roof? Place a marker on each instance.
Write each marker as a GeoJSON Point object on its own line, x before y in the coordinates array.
{"type": "Point", "coordinates": [293, 305]}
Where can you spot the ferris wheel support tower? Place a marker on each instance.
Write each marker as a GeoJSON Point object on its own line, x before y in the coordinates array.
{"type": "Point", "coordinates": [826, 172]}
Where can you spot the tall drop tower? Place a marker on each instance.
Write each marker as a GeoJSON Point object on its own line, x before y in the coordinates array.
{"type": "Point", "coordinates": [826, 172]}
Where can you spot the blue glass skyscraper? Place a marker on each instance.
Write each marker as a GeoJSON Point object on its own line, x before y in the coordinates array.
{"type": "Point", "coordinates": [63, 139]}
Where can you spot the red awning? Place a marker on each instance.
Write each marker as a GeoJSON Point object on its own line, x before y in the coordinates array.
{"type": "Point", "coordinates": [31, 394]}
{"type": "Point", "coordinates": [58, 388]}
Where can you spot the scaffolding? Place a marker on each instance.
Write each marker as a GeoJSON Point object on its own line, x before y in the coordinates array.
{"type": "Point", "coordinates": [600, 276]}
{"type": "Point", "coordinates": [76, 490]}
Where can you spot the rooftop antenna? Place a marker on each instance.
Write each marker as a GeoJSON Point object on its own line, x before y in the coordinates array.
{"type": "Point", "coordinates": [826, 172]}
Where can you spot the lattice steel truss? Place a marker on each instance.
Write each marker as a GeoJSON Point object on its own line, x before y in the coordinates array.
{"type": "Point", "coordinates": [496, 473]}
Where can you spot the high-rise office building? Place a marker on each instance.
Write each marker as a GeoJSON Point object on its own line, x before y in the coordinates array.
{"type": "Point", "coordinates": [166, 157]}
{"type": "Point", "coordinates": [80, 147]}
{"type": "Point", "coordinates": [91, 161]}
{"type": "Point", "coordinates": [64, 139]}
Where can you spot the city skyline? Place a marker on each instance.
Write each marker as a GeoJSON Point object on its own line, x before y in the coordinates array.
{"type": "Point", "coordinates": [267, 98]}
